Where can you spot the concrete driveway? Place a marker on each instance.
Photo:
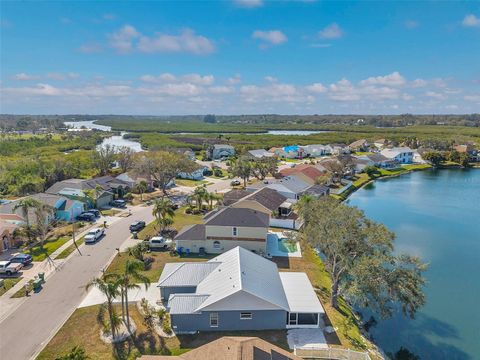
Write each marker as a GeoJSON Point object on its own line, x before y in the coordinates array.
{"type": "Point", "coordinates": [27, 330]}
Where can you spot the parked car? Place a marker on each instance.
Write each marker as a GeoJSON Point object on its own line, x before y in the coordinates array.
{"type": "Point", "coordinates": [119, 203]}
{"type": "Point", "coordinates": [20, 258]}
{"type": "Point", "coordinates": [159, 243]}
{"type": "Point", "coordinates": [93, 235]}
{"type": "Point", "coordinates": [235, 183]}
{"type": "Point", "coordinates": [137, 226]}
{"type": "Point", "coordinates": [95, 212]}
{"type": "Point", "coordinates": [87, 216]}
{"type": "Point", "coordinates": [8, 268]}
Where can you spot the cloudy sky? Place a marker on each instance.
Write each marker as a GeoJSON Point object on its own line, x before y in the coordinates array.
{"type": "Point", "coordinates": [240, 57]}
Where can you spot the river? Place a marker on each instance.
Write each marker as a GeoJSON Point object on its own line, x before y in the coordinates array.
{"type": "Point", "coordinates": [435, 215]}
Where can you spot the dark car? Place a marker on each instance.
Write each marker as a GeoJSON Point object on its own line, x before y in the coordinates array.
{"type": "Point", "coordinates": [95, 212]}
{"type": "Point", "coordinates": [137, 226]}
{"type": "Point", "coordinates": [86, 216]}
{"type": "Point", "coordinates": [119, 203]}
{"type": "Point", "coordinates": [20, 258]}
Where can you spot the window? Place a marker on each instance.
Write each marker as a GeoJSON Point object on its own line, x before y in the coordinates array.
{"type": "Point", "coordinates": [213, 319]}
{"type": "Point", "coordinates": [246, 316]}
{"type": "Point", "coordinates": [234, 231]}
{"type": "Point", "coordinates": [216, 244]}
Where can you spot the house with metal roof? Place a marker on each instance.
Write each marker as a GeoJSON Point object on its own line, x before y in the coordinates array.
{"type": "Point", "coordinates": [237, 290]}
{"type": "Point", "coordinates": [220, 151]}
{"type": "Point", "coordinates": [259, 154]}
{"type": "Point", "coordinates": [223, 229]}
{"type": "Point", "coordinates": [404, 155]}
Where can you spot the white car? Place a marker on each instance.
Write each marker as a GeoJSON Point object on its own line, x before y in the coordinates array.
{"type": "Point", "coordinates": [93, 235]}
{"type": "Point", "coordinates": [159, 243]}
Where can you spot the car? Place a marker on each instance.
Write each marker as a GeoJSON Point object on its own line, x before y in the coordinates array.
{"type": "Point", "coordinates": [119, 203]}
{"type": "Point", "coordinates": [95, 212]}
{"type": "Point", "coordinates": [8, 268]}
{"type": "Point", "coordinates": [86, 216]}
{"type": "Point", "coordinates": [235, 183]}
{"type": "Point", "coordinates": [93, 235]}
{"type": "Point", "coordinates": [159, 243]}
{"type": "Point", "coordinates": [19, 258]}
{"type": "Point", "coordinates": [137, 226]}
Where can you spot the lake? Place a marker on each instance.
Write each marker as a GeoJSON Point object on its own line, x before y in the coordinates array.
{"type": "Point", "coordinates": [435, 215]}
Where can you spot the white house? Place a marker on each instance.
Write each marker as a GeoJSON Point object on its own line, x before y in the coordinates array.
{"type": "Point", "coordinates": [404, 155]}
{"type": "Point", "coordinates": [316, 150]}
{"type": "Point", "coordinates": [260, 154]}
{"type": "Point", "coordinates": [220, 151]}
{"type": "Point", "coordinates": [197, 174]}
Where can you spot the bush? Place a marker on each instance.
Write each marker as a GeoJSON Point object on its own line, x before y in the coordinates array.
{"type": "Point", "coordinates": [166, 327]}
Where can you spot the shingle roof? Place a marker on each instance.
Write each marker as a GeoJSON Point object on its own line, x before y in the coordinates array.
{"type": "Point", "coordinates": [358, 143]}
{"type": "Point", "coordinates": [259, 153]}
{"type": "Point", "coordinates": [376, 158]}
{"type": "Point", "coordinates": [267, 197]}
{"type": "Point", "coordinates": [316, 190]}
{"type": "Point", "coordinates": [234, 195]}
{"type": "Point", "coordinates": [310, 171]}
{"type": "Point", "coordinates": [191, 232]}
{"type": "Point", "coordinates": [238, 217]}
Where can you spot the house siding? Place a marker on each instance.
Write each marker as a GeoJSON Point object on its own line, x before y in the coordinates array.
{"type": "Point", "coordinates": [229, 321]}
{"type": "Point", "coordinates": [193, 246]}
{"type": "Point", "coordinates": [165, 292]}
{"type": "Point", "coordinates": [243, 232]}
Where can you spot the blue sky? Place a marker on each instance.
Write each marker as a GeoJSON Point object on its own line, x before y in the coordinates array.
{"type": "Point", "coordinates": [240, 57]}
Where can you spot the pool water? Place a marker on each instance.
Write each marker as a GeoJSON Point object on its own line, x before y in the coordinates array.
{"type": "Point", "coordinates": [287, 246]}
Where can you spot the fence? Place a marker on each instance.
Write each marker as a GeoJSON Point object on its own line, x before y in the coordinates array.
{"type": "Point", "coordinates": [330, 353]}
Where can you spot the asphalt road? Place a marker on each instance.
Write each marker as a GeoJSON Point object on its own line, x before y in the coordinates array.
{"type": "Point", "coordinates": [28, 329]}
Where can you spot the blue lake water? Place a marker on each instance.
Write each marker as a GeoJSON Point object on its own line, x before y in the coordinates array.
{"type": "Point", "coordinates": [435, 215]}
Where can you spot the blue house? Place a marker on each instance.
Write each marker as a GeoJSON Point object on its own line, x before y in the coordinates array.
{"type": "Point", "coordinates": [237, 290]}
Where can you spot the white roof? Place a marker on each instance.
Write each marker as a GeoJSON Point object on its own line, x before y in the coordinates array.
{"type": "Point", "coordinates": [186, 274]}
{"type": "Point", "coordinates": [185, 303]}
{"type": "Point", "coordinates": [300, 294]}
{"type": "Point", "coordinates": [243, 281]}
{"type": "Point", "coordinates": [389, 153]}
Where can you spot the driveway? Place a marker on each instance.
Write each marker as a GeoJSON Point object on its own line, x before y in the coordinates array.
{"type": "Point", "coordinates": [28, 329]}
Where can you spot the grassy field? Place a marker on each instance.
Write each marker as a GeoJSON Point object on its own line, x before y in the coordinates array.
{"type": "Point", "coordinates": [83, 328]}
{"type": "Point", "coordinates": [64, 254]}
{"type": "Point", "coordinates": [39, 254]}
{"type": "Point", "coordinates": [190, 183]}
{"type": "Point", "coordinates": [8, 284]}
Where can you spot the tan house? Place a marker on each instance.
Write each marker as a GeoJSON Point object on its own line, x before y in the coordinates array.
{"type": "Point", "coordinates": [224, 229]}
{"type": "Point", "coordinates": [7, 240]}
{"type": "Point", "coordinates": [232, 348]}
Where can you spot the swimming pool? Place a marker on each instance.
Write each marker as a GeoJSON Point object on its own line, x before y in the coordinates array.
{"type": "Point", "coordinates": [287, 245]}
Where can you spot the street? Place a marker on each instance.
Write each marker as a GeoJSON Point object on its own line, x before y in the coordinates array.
{"type": "Point", "coordinates": [26, 331]}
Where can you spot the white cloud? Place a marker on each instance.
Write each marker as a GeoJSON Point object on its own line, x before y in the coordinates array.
{"type": "Point", "coordinates": [236, 79]}
{"type": "Point", "coordinates": [25, 77]}
{"type": "Point", "coordinates": [122, 40]}
{"type": "Point", "coordinates": [221, 90]}
{"type": "Point", "coordinates": [271, 37]}
{"type": "Point", "coordinates": [436, 95]}
{"type": "Point", "coordinates": [471, 20]}
{"type": "Point", "coordinates": [187, 41]}
{"type": "Point", "coordinates": [473, 98]}
{"type": "Point", "coordinates": [199, 79]}
{"type": "Point", "coordinates": [62, 76]}
{"type": "Point", "coordinates": [270, 79]}
{"type": "Point", "coordinates": [418, 83]}
{"type": "Point", "coordinates": [393, 79]}
{"type": "Point", "coordinates": [248, 3]}
{"type": "Point", "coordinates": [170, 78]}
{"type": "Point", "coordinates": [332, 31]}
{"type": "Point", "coordinates": [181, 89]}
{"type": "Point", "coordinates": [316, 88]}
{"type": "Point", "coordinates": [343, 90]}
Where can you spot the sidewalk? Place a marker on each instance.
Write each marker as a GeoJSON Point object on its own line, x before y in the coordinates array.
{"type": "Point", "coordinates": [9, 304]}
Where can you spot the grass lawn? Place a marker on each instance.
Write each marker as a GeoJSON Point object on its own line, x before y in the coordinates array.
{"type": "Point", "coordinates": [70, 249]}
{"type": "Point", "coordinates": [190, 183]}
{"type": "Point", "coordinates": [39, 254]}
{"type": "Point", "coordinates": [83, 328]}
{"type": "Point", "coordinates": [179, 221]}
{"type": "Point", "coordinates": [8, 284]}
{"type": "Point", "coordinates": [110, 212]}
{"type": "Point", "coordinates": [21, 293]}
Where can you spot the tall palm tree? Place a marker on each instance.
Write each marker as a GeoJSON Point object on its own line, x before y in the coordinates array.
{"type": "Point", "coordinates": [211, 197]}
{"type": "Point", "coordinates": [25, 205]}
{"type": "Point", "coordinates": [141, 188]}
{"type": "Point", "coordinates": [162, 210]}
{"type": "Point", "coordinates": [131, 272]}
{"type": "Point", "coordinates": [200, 194]}
{"type": "Point", "coordinates": [110, 288]}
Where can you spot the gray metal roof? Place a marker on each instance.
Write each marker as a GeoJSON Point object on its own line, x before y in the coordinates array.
{"type": "Point", "coordinates": [185, 274]}
{"type": "Point", "coordinates": [300, 294]}
{"type": "Point", "coordinates": [238, 217]}
{"type": "Point", "coordinates": [185, 303]}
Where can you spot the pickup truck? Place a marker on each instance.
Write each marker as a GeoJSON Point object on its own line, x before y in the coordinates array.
{"type": "Point", "coordinates": [93, 235]}
{"type": "Point", "coordinates": [9, 268]}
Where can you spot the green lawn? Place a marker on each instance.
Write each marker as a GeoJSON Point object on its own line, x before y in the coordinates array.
{"type": "Point", "coordinates": [21, 293]}
{"type": "Point", "coordinates": [190, 183]}
{"type": "Point", "coordinates": [70, 249]}
{"type": "Point", "coordinates": [179, 221]}
{"type": "Point", "coordinates": [110, 212]}
{"type": "Point", "coordinates": [83, 329]}
{"type": "Point", "coordinates": [8, 284]}
{"type": "Point", "coordinates": [39, 254]}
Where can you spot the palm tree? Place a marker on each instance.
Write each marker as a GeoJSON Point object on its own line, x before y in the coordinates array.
{"type": "Point", "coordinates": [211, 197]}
{"type": "Point", "coordinates": [132, 271]}
{"type": "Point", "coordinates": [110, 288]}
{"type": "Point", "coordinates": [162, 210]}
{"type": "Point", "coordinates": [25, 205]}
{"type": "Point", "coordinates": [42, 211]}
{"type": "Point", "coordinates": [141, 188]}
{"type": "Point", "coordinates": [200, 194]}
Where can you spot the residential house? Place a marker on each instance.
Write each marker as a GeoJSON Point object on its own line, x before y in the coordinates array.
{"type": "Point", "coordinates": [269, 201]}
{"type": "Point", "coordinates": [339, 149]}
{"type": "Point", "coordinates": [404, 155]}
{"type": "Point", "coordinates": [289, 152]}
{"type": "Point", "coordinates": [316, 150]}
{"type": "Point", "coordinates": [359, 145]}
{"type": "Point", "coordinates": [196, 174]}
{"type": "Point", "coordinates": [189, 153]}
{"type": "Point", "coordinates": [259, 154]}
{"type": "Point", "coordinates": [223, 229]}
{"type": "Point", "coordinates": [232, 348]}
{"type": "Point", "coordinates": [289, 186]}
{"type": "Point", "coordinates": [380, 161]}
{"type": "Point", "coordinates": [469, 149]}
{"type": "Point", "coordinates": [380, 143]}
{"type": "Point", "coordinates": [220, 151]}
{"type": "Point", "coordinates": [7, 239]}
{"type": "Point", "coordinates": [306, 172]}
{"type": "Point", "coordinates": [237, 291]}
{"type": "Point", "coordinates": [316, 191]}
{"type": "Point", "coordinates": [64, 208]}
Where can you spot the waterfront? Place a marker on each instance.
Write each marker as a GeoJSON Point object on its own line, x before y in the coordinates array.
{"type": "Point", "coordinates": [435, 215]}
